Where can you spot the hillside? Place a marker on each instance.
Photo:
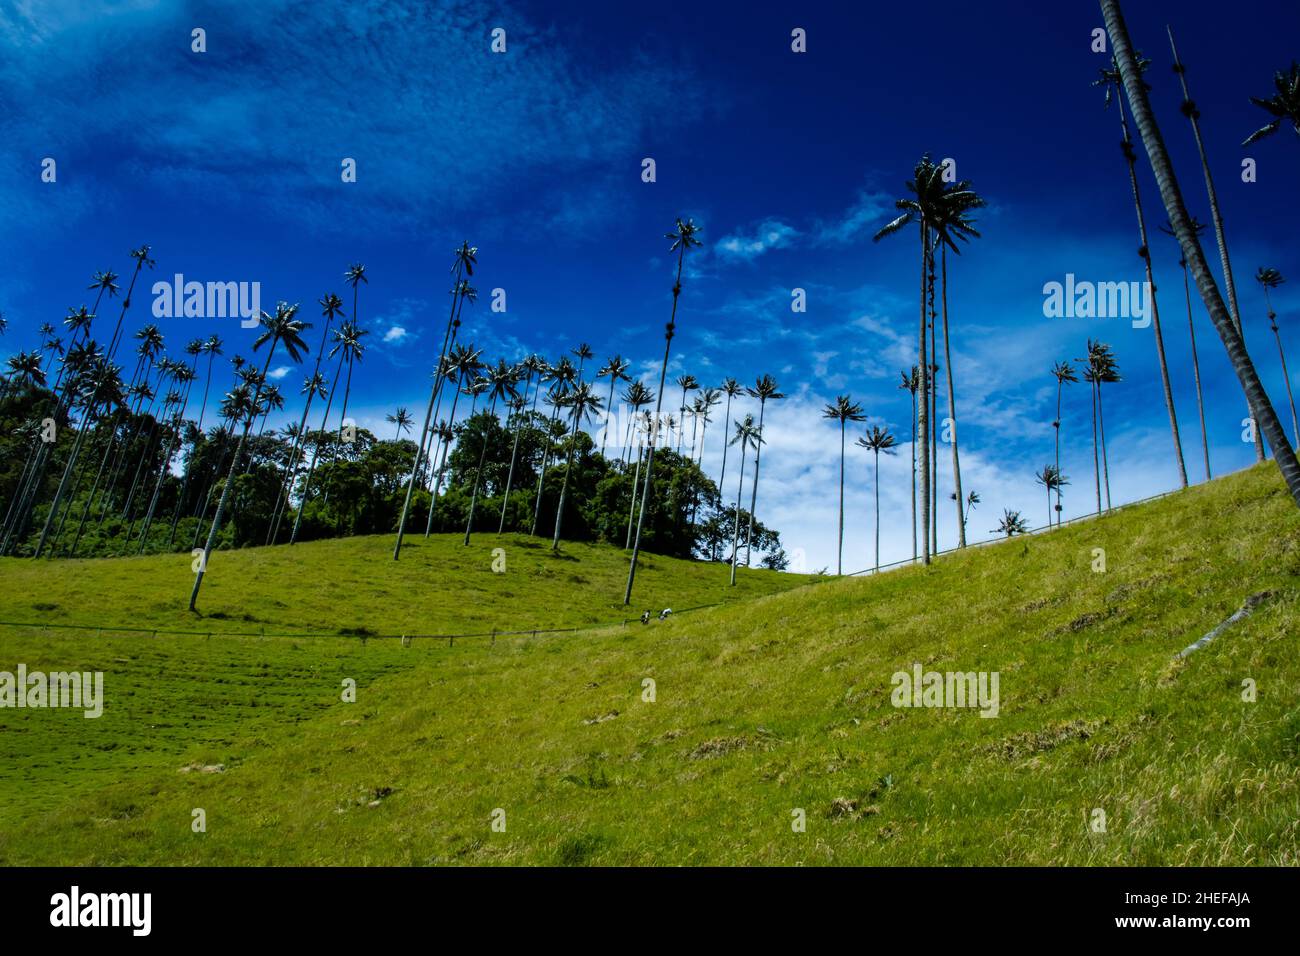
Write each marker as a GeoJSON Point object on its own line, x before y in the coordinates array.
{"type": "Point", "coordinates": [762, 707]}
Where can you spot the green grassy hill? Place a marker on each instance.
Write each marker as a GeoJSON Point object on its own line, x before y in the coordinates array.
{"type": "Point", "coordinates": [777, 703]}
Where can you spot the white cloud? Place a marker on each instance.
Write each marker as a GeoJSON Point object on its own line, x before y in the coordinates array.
{"type": "Point", "coordinates": [770, 234]}
{"type": "Point", "coordinates": [395, 334]}
{"type": "Point", "coordinates": [278, 373]}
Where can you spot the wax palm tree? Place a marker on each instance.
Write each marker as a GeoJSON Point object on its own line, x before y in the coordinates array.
{"type": "Point", "coordinates": [708, 400]}
{"type": "Point", "coordinates": [842, 410]}
{"type": "Point", "coordinates": [1283, 105]}
{"type": "Point", "coordinates": [1197, 228]}
{"type": "Point", "coordinates": [643, 424]}
{"type": "Point", "coordinates": [952, 221]}
{"type": "Point", "coordinates": [312, 387]}
{"type": "Point", "coordinates": [563, 376]}
{"type": "Point", "coordinates": [731, 388]}
{"type": "Point", "coordinates": [922, 207]}
{"type": "Point", "coordinates": [211, 348]}
{"type": "Point", "coordinates": [466, 257]}
{"type": "Point", "coordinates": [616, 368]}
{"type": "Point", "coordinates": [1193, 114]}
{"type": "Point", "coordinates": [1265, 416]}
{"type": "Point", "coordinates": [583, 404]}
{"type": "Point", "coordinates": [765, 390]}
{"type": "Point", "coordinates": [282, 328]}
{"type": "Point", "coordinates": [1050, 477]}
{"type": "Point", "coordinates": [349, 347]}
{"type": "Point", "coordinates": [748, 435]}
{"type": "Point", "coordinates": [1271, 279]}
{"type": "Point", "coordinates": [501, 381]}
{"type": "Point", "coordinates": [142, 261]}
{"type": "Point", "coordinates": [911, 383]}
{"type": "Point", "coordinates": [24, 369]}
{"type": "Point", "coordinates": [401, 419]}
{"type": "Point", "coordinates": [688, 383]}
{"type": "Point", "coordinates": [95, 383]}
{"type": "Point", "coordinates": [972, 499]}
{"type": "Point", "coordinates": [1100, 368]}
{"type": "Point", "coordinates": [185, 375]}
{"type": "Point", "coordinates": [1064, 374]}
{"type": "Point", "coordinates": [532, 365]}
{"type": "Point", "coordinates": [637, 396]}
{"type": "Point", "coordinates": [684, 236]}
{"type": "Point", "coordinates": [1112, 82]}
{"type": "Point", "coordinates": [1011, 523]}
{"type": "Point", "coordinates": [465, 367]}
{"type": "Point", "coordinates": [875, 441]}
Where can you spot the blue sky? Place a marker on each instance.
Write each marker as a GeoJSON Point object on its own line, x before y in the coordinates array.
{"type": "Point", "coordinates": [227, 163]}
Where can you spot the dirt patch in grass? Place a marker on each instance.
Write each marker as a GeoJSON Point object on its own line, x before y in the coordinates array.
{"type": "Point", "coordinates": [1040, 741]}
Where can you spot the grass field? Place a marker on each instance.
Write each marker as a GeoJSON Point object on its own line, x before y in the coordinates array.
{"type": "Point", "coordinates": [775, 704]}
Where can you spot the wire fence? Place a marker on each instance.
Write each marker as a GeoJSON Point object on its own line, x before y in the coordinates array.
{"type": "Point", "coordinates": [354, 633]}
{"type": "Point", "coordinates": [1032, 531]}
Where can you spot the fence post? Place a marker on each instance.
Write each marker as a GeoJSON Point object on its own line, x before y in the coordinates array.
{"type": "Point", "coordinates": [494, 635]}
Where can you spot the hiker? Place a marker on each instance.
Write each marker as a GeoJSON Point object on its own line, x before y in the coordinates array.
{"type": "Point", "coordinates": [663, 615]}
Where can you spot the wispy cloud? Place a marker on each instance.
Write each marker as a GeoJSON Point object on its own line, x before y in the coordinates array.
{"type": "Point", "coordinates": [748, 245]}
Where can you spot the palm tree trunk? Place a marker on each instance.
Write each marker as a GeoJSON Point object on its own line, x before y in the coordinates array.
{"type": "Point", "coordinates": [1105, 459]}
{"type": "Point", "coordinates": [753, 500]}
{"type": "Point", "coordinates": [1173, 200]}
{"type": "Point", "coordinates": [230, 481]}
{"type": "Point", "coordinates": [564, 487]}
{"type": "Point", "coordinates": [1286, 377]}
{"type": "Point", "coordinates": [1131, 158]}
{"type": "Point", "coordinates": [343, 420]}
{"type": "Point", "coordinates": [952, 412]}
{"type": "Point", "coordinates": [290, 471]}
{"type": "Point", "coordinates": [839, 559]}
{"type": "Point", "coordinates": [1060, 384]}
{"type": "Point", "coordinates": [923, 402]}
{"type": "Point", "coordinates": [1096, 456]}
{"type": "Point", "coordinates": [315, 453]}
{"type": "Point", "coordinates": [650, 452]}
{"type": "Point", "coordinates": [1230, 286]}
{"type": "Point", "coordinates": [478, 475]}
{"type": "Point", "coordinates": [877, 490]}
{"type": "Point", "coordinates": [514, 453]}
{"type": "Point", "coordinates": [1196, 370]}
{"type": "Point", "coordinates": [541, 475]}
{"type": "Point", "coordinates": [726, 419]}
{"type": "Point", "coordinates": [433, 395]}
{"type": "Point", "coordinates": [735, 537]}
{"type": "Point", "coordinates": [631, 508]}
{"type": "Point", "coordinates": [913, 444]}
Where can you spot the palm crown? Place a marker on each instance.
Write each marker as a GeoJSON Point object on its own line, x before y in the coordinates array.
{"type": "Point", "coordinates": [1284, 105]}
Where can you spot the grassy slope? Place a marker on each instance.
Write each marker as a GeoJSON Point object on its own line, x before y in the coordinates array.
{"type": "Point", "coordinates": [762, 707]}
{"type": "Point", "coordinates": [328, 587]}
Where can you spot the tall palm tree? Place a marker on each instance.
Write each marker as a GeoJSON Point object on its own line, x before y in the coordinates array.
{"type": "Point", "coordinates": [1100, 368]}
{"type": "Point", "coordinates": [348, 342]}
{"type": "Point", "coordinates": [731, 388]}
{"type": "Point", "coordinates": [842, 410]}
{"type": "Point", "coordinates": [1193, 114]}
{"type": "Point", "coordinates": [688, 383]}
{"type": "Point", "coordinates": [342, 349]}
{"type": "Point", "coordinates": [563, 376]}
{"type": "Point", "coordinates": [1111, 80]}
{"type": "Point", "coordinates": [637, 396]}
{"type": "Point", "coordinates": [748, 435]}
{"type": "Point", "coordinates": [1197, 228]}
{"type": "Point", "coordinates": [616, 368]}
{"type": "Point", "coordinates": [642, 426]}
{"type": "Point", "coordinates": [1176, 209]}
{"type": "Point", "coordinates": [952, 221]}
{"type": "Point", "coordinates": [1063, 372]}
{"type": "Point", "coordinates": [1283, 106]}
{"type": "Point", "coordinates": [211, 348]}
{"type": "Point", "coordinates": [765, 390]}
{"type": "Point", "coordinates": [1050, 477]}
{"type": "Point", "coordinates": [311, 388]}
{"type": "Point", "coordinates": [684, 236]}
{"type": "Point", "coordinates": [926, 187]}
{"type": "Point", "coordinates": [466, 257]}
{"type": "Point", "coordinates": [584, 403]}
{"type": "Point", "coordinates": [530, 366]}
{"type": "Point", "coordinates": [1271, 279]}
{"type": "Point", "coordinates": [501, 385]}
{"type": "Point", "coordinates": [282, 328]}
{"type": "Point", "coordinates": [911, 383]}
{"type": "Point", "coordinates": [401, 419]}
{"type": "Point", "coordinates": [877, 440]}
{"type": "Point", "coordinates": [465, 367]}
